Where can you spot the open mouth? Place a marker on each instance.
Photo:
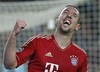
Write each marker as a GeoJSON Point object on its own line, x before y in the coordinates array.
{"type": "Point", "coordinates": [67, 22]}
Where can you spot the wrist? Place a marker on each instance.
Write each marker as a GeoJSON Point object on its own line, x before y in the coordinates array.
{"type": "Point", "coordinates": [13, 34]}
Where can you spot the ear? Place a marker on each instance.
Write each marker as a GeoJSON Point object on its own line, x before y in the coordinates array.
{"type": "Point", "coordinates": [77, 27]}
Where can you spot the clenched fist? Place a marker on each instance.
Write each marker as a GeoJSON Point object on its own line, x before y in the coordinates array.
{"type": "Point", "coordinates": [20, 24]}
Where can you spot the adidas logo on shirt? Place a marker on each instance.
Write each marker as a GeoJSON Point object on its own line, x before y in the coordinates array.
{"type": "Point", "coordinates": [49, 54]}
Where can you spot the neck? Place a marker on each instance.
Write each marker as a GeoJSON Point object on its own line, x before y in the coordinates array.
{"type": "Point", "coordinates": [62, 40]}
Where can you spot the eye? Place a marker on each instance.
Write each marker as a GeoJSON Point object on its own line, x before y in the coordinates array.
{"type": "Point", "coordinates": [74, 15]}
{"type": "Point", "coordinates": [66, 12]}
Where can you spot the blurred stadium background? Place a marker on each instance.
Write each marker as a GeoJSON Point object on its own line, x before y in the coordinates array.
{"type": "Point", "coordinates": [40, 15]}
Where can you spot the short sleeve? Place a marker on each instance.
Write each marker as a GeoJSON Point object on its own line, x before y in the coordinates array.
{"type": "Point", "coordinates": [84, 67]}
{"type": "Point", "coordinates": [28, 49]}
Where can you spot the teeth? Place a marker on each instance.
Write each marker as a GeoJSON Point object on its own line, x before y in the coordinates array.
{"type": "Point", "coordinates": [67, 22]}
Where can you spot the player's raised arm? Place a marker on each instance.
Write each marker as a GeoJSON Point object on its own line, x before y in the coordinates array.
{"type": "Point", "coordinates": [10, 47]}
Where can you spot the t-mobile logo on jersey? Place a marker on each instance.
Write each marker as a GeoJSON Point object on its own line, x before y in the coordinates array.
{"type": "Point", "coordinates": [51, 66]}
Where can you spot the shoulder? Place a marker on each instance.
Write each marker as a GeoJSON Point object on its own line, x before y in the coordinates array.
{"type": "Point", "coordinates": [80, 49]}
{"type": "Point", "coordinates": [37, 37]}
{"type": "Point", "coordinates": [43, 36]}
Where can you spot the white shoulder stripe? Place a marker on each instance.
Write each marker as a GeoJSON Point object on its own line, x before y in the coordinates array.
{"type": "Point", "coordinates": [79, 48]}
{"type": "Point", "coordinates": [29, 40]}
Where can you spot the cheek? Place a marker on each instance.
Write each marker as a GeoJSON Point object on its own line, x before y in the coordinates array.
{"type": "Point", "coordinates": [75, 20]}
{"type": "Point", "coordinates": [73, 26]}
{"type": "Point", "coordinates": [74, 23]}
{"type": "Point", "coordinates": [59, 21]}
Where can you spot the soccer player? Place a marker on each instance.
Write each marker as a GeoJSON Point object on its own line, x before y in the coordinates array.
{"type": "Point", "coordinates": [49, 53]}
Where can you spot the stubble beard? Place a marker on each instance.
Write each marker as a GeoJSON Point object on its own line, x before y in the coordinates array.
{"type": "Point", "coordinates": [65, 32]}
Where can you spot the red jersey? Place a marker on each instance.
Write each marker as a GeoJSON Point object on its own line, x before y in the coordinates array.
{"type": "Point", "coordinates": [45, 55]}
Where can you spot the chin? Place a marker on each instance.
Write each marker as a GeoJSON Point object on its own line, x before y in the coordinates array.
{"type": "Point", "coordinates": [64, 31]}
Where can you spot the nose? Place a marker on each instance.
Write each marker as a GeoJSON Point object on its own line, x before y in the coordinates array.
{"type": "Point", "coordinates": [69, 16]}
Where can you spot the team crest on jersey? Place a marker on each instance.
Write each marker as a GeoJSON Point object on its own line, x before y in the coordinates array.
{"type": "Point", "coordinates": [74, 60]}
{"type": "Point", "coordinates": [20, 49]}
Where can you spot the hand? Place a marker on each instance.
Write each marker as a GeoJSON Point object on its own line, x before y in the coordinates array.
{"type": "Point", "coordinates": [20, 24]}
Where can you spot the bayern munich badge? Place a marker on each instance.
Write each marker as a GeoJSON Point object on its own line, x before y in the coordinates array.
{"type": "Point", "coordinates": [74, 60]}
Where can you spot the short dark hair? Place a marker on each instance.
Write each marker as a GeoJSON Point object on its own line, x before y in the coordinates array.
{"type": "Point", "coordinates": [72, 6]}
